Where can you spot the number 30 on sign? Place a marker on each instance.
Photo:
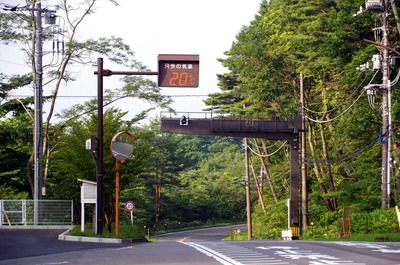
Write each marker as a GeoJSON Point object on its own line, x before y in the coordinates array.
{"type": "Point", "coordinates": [178, 70]}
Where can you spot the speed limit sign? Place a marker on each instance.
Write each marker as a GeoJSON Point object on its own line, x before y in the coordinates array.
{"type": "Point", "coordinates": [129, 206]}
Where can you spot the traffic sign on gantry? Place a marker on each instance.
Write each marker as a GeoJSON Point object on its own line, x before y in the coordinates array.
{"type": "Point", "coordinates": [178, 70]}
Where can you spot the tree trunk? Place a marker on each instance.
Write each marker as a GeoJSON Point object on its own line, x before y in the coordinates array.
{"type": "Point", "coordinates": [395, 153]}
{"type": "Point", "coordinates": [331, 184]}
{"type": "Point", "coordinates": [259, 190]}
{"type": "Point", "coordinates": [265, 169]}
{"type": "Point", "coordinates": [321, 185]}
{"type": "Point", "coordinates": [30, 173]}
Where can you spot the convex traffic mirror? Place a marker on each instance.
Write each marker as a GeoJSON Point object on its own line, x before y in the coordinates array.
{"type": "Point", "coordinates": [122, 146]}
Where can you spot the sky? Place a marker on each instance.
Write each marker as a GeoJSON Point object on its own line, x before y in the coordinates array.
{"type": "Point", "coordinates": [152, 27]}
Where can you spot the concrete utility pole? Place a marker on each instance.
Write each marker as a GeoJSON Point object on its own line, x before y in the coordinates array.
{"type": "Point", "coordinates": [38, 102]}
{"type": "Point", "coordinates": [385, 110]}
{"type": "Point", "coordinates": [37, 61]}
{"type": "Point", "coordinates": [382, 42]}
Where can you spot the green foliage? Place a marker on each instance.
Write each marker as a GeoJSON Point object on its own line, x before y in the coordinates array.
{"type": "Point", "coordinates": [200, 178]}
{"type": "Point", "coordinates": [269, 225]}
{"type": "Point", "coordinates": [370, 226]}
{"type": "Point", "coordinates": [323, 41]}
{"type": "Point", "coordinates": [10, 193]}
{"type": "Point", "coordinates": [124, 232]}
{"type": "Point", "coordinates": [15, 147]}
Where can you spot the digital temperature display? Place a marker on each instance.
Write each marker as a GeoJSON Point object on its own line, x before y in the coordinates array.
{"type": "Point", "coordinates": [178, 70]}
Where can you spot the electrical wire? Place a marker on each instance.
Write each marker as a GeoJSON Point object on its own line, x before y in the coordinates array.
{"type": "Point", "coordinates": [88, 96]}
{"type": "Point", "coordinates": [395, 80]}
{"type": "Point", "coordinates": [272, 145]}
{"type": "Point", "coordinates": [339, 105]}
{"type": "Point", "coordinates": [329, 111]}
{"type": "Point", "coordinates": [273, 153]}
{"type": "Point", "coordinates": [344, 112]}
{"type": "Point", "coordinates": [342, 158]}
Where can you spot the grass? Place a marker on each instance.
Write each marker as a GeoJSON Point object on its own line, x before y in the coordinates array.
{"type": "Point", "coordinates": [125, 231]}
{"type": "Point", "coordinates": [379, 237]}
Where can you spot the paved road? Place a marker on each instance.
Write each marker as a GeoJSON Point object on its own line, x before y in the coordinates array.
{"type": "Point", "coordinates": [23, 243]}
{"type": "Point", "coordinates": [200, 247]}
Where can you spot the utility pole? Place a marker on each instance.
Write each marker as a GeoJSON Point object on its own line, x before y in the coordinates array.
{"type": "Point", "coordinates": [383, 63]}
{"type": "Point", "coordinates": [304, 195]}
{"type": "Point", "coordinates": [100, 149]}
{"type": "Point", "coordinates": [385, 109]}
{"type": "Point", "coordinates": [247, 183]}
{"type": "Point", "coordinates": [37, 62]}
{"type": "Point", "coordinates": [38, 102]}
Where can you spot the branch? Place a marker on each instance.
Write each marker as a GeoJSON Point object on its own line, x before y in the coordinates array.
{"type": "Point", "coordinates": [383, 46]}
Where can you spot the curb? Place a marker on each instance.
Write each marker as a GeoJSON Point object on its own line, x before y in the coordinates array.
{"type": "Point", "coordinates": [69, 227]}
{"type": "Point", "coordinates": [66, 237]}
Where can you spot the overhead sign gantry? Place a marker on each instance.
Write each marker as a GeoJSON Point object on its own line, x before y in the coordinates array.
{"type": "Point", "coordinates": [275, 129]}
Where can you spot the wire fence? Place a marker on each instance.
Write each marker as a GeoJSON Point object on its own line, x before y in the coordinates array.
{"type": "Point", "coordinates": [50, 212]}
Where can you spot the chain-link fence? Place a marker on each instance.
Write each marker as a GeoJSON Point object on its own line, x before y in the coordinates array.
{"type": "Point", "coordinates": [50, 212]}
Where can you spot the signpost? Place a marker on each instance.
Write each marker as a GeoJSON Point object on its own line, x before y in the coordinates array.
{"type": "Point", "coordinates": [175, 70]}
{"type": "Point", "coordinates": [130, 206]}
{"type": "Point", "coordinates": [121, 148]}
{"type": "Point", "coordinates": [178, 70]}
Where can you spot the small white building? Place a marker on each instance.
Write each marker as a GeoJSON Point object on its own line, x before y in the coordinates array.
{"type": "Point", "coordinates": [374, 5]}
{"type": "Point", "coordinates": [88, 195]}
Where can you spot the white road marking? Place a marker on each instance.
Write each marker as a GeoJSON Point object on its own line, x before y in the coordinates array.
{"type": "Point", "coordinates": [211, 253]}
{"type": "Point", "coordinates": [372, 246]}
{"type": "Point", "coordinates": [315, 258]}
{"type": "Point", "coordinates": [234, 255]}
{"type": "Point", "coordinates": [56, 263]}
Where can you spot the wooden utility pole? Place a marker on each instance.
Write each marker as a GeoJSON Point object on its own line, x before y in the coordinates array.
{"type": "Point", "coordinates": [304, 195]}
{"type": "Point", "coordinates": [247, 181]}
{"type": "Point", "coordinates": [158, 193]}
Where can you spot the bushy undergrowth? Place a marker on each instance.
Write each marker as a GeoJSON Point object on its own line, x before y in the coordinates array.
{"type": "Point", "coordinates": [269, 225]}
{"type": "Point", "coordinates": [378, 225]}
{"type": "Point", "coordinates": [125, 231]}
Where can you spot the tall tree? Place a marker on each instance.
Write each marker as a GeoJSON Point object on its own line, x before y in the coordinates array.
{"type": "Point", "coordinates": [68, 49]}
{"type": "Point", "coordinates": [322, 40]}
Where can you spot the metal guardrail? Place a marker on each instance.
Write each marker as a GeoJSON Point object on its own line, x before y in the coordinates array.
{"type": "Point", "coordinates": [189, 115]}
{"type": "Point", "coordinates": [50, 212]}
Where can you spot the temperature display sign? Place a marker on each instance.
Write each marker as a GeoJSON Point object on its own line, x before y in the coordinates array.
{"type": "Point", "coordinates": [178, 70]}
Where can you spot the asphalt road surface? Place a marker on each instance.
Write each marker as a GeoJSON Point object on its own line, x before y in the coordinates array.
{"type": "Point", "coordinates": [204, 246]}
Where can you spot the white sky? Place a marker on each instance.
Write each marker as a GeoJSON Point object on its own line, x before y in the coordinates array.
{"type": "Point", "coordinates": [152, 27]}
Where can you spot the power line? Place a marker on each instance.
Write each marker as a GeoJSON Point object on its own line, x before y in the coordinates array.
{"type": "Point", "coordinates": [344, 112]}
{"type": "Point", "coordinates": [95, 96]}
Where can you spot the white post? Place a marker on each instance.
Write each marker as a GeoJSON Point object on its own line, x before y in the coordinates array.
{"type": "Point", "coordinates": [72, 212]}
{"type": "Point", "coordinates": [24, 212]}
{"type": "Point", "coordinates": [95, 216]}
{"type": "Point", "coordinates": [398, 214]}
{"type": "Point", "coordinates": [82, 216]}
{"type": "Point", "coordinates": [132, 217]}
{"type": "Point", "coordinates": [288, 206]}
